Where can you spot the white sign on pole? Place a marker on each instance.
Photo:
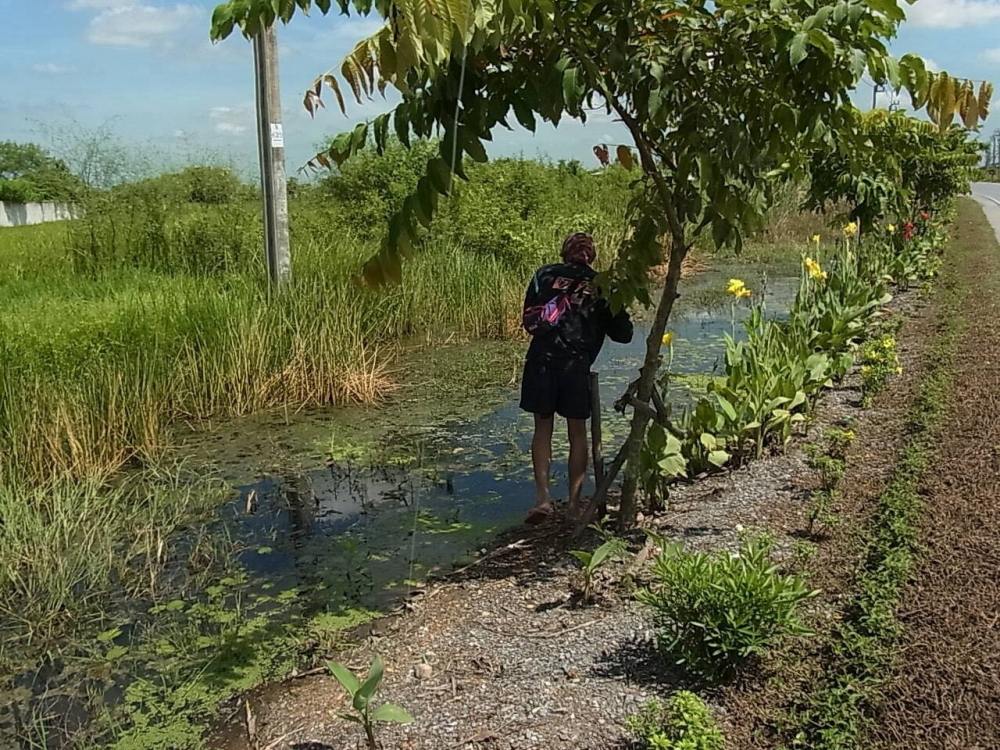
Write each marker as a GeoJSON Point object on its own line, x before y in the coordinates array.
{"type": "Point", "coordinates": [277, 136]}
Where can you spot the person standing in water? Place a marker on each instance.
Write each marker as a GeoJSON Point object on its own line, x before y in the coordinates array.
{"type": "Point", "coordinates": [568, 321]}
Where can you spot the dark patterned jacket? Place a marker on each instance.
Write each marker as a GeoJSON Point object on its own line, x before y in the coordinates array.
{"type": "Point", "coordinates": [566, 316]}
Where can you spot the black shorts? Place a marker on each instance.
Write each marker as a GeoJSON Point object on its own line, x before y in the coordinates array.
{"type": "Point", "coordinates": [556, 386]}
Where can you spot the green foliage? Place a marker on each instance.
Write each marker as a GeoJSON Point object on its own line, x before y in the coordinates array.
{"type": "Point", "coordinates": [19, 190]}
{"type": "Point", "coordinates": [775, 374]}
{"type": "Point", "coordinates": [908, 165]}
{"type": "Point", "coordinates": [838, 440]}
{"type": "Point", "coordinates": [374, 186]}
{"type": "Point", "coordinates": [716, 611]}
{"type": "Point", "coordinates": [682, 722]}
{"type": "Point", "coordinates": [211, 185]}
{"type": "Point", "coordinates": [830, 467]}
{"type": "Point", "coordinates": [592, 562]}
{"type": "Point", "coordinates": [879, 361]}
{"type": "Point", "coordinates": [362, 693]}
{"type": "Point", "coordinates": [794, 64]}
{"type": "Point", "coordinates": [29, 174]}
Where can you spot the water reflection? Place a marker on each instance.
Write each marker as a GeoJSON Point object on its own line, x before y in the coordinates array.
{"type": "Point", "coordinates": [361, 532]}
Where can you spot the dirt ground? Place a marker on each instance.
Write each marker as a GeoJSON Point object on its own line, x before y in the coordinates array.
{"type": "Point", "coordinates": [502, 656]}
{"type": "Point", "coordinates": [946, 690]}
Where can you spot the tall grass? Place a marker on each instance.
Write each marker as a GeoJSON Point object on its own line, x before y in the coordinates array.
{"type": "Point", "coordinates": [68, 548]}
{"type": "Point", "coordinates": [143, 313]}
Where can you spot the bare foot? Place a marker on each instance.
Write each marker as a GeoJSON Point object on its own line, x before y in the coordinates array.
{"type": "Point", "coordinates": [541, 513]}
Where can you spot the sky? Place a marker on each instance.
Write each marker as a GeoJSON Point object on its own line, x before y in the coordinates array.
{"type": "Point", "coordinates": [146, 71]}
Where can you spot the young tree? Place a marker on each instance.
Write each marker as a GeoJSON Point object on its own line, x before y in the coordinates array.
{"type": "Point", "coordinates": [721, 100]}
{"type": "Point", "coordinates": [908, 165]}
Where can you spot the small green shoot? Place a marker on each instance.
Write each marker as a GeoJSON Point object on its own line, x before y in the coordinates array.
{"type": "Point", "coordinates": [361, 694]}
{"type": "Point", "coordinates": [591, 562]}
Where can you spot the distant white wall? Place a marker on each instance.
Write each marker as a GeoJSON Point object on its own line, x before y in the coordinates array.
{"type": "Point", "coordinates": [22, 214]}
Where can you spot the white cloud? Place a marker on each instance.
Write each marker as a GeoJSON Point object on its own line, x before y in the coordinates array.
{"type": "Point", "coordinates": [133, 23]}
{"type": "Point", "coordinates": [231, 120]}
{"type": "Point", "coordinates": [992, 55]}
{"type": "Point", "coordinates": [53, 69]}
{"type": "Point", "coordinates": [931, 65]}
{"type": "Point", "coordinates": [953, 14]}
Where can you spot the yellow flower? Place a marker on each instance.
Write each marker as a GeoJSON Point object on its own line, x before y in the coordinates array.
{"type": "Point", "coordinates": [850, 229]}
{"type": "Point", "coordinates": [737, 288]}
{"type": "Point", "coordinates": [743, 293]}
{"type": "Point", "coordinates": [815, 270]}
{"type": "Point", "coordinates": [668, 338]}
{"type": "Point", "coordinates": [890, 228]}
{"type": "Point", "coordinates": [816, 238]}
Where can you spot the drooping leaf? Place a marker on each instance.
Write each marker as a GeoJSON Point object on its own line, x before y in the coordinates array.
{"type": "Point", "coordinates": [624, 154]}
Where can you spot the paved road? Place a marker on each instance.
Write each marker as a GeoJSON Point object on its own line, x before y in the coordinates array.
{"type": "Point", "coordinates": [988, 195]}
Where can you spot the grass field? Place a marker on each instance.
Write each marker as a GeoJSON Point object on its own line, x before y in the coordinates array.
{"type": "Point", "coordinates": [153, 313]}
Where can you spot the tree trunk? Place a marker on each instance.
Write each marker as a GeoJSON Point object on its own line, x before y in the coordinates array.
{"type": "Point", "coordinates": [647, 382]}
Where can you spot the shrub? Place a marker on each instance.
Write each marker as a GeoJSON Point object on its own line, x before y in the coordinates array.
{"type": "Point", "coordinates": [374, 186]}
{"type": "Point", "coordinates": [878, 361]}
{"type": "Point", "coordinates": [210, 185]}
{"type": "Point", "coordinates": [19, 191]}
{"type": "Point", "coordinates": [715, 611]}
{"type": "Point", "coordinates": [682, 722]}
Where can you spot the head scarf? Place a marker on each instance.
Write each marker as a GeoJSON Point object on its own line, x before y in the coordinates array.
{"type": "Point", "coordinates": [579, 248]}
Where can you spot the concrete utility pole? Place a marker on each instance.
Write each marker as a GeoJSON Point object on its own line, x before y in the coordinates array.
{"type": "Point", "coordinates": [271, 145]}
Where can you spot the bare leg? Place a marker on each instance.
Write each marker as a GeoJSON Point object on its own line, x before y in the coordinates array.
{"type": "Point", "coordinates": [541, 458]}
{"type": "Point", "coordinates": [578, 452]}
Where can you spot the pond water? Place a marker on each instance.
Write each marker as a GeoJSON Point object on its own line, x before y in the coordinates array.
{"type": "Point", "coordinates": [350, 534]}
{"type": "Point", "coordinates": [324, 541]}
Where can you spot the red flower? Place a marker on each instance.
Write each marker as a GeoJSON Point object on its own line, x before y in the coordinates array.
{"type": "Point", "coordinates": [924, 216]}
{"type": "Point", "coordinates": [908, 230]}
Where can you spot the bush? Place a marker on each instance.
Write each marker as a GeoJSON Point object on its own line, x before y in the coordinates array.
{"type": "Point", "coordinates": [211, 185]}
{"type": "Point", "coordinates": [878, 361]}
{"type": "Point", "coordinates": [715, 611]}
{"type": "Point", "coordinates": [19, 191]}
{"type": "Point", "coordinates": [375, 186]}
{"type": "Point", "coordinates": [682, 722]}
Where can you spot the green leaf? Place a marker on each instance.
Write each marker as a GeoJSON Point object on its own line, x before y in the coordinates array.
{"type": "Point", "coordinates": [108, 635]}
{"type": "Point", "coordinates": [603, 552]}
{"type": "Point", "coordinates": [440, 175]}
{"type": "Point", "coordinates": [718, 458]}
{"type": "Point", "coordinates": [524, 113]}
{"type": "Point", "coordinates": [344, 676]}
{"type": "Point", "coordinates": [392, 713]}
{"type": "Point", "coordinates": [370, 685]}
{"type": "Point", "coordinates": [581, 555]}
{"type": "Point", "coordinates": [798, 49]}
{"type": "Point", "coordinates": [673, 466]}
{"type": "Point", "coordinates": [473, 146]}
{"type": "Point", "coordinates": [571, 89]}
